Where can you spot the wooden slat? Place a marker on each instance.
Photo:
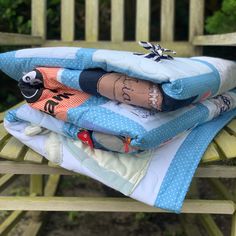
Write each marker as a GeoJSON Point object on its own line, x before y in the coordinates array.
{"type": "Point", "coordinates": [38, 17]}
{"type": "Point", "coordinates": [91, 20]}
{"type": "Point", "coordinates": [52, 164]}
{"type": "Point", "coordinates": [9, 167]}
{"type": "Point", "coordinates": [167, 20]}
{"type": "Point", "coordinates": [142, 20]}
{"type": "Point", "coordinates": [67, 20]}
{"type": "Point", "coordinates": [52, 185]}
{"type": "Point", "coordinates": [13, 149]}
{"type": "Point", "coordinates": [232, 126]}
{"type": "Point", "coordinates": [49, 190]}
{"type": "Point", "coordinates": [216, 171]}
{"type": "Point", "coordinates": [6, 180]}
{"type": "Point", "coordinates": [184, 49]}
{"type": "Point", "coordinates": [108, 205]}
{"type": "Point", "coordinates": [215, 40]}
{"type": "Point", "coordinates": [211, 154]}
{"type": "Point", "coordinates": [10, 222]}
{"type": "Point", "coordinates": [233, 225]}
{"type": "Point", "coordinates": [36, 184]}
{"type": "Point", "coordinates": [227, 143]}
{"type": "Point", "coordinates": [19, 39]}
{"type": "Point", "coordinates": [196, 21]}
{"type": "Point", "coordinates": [34, 227]}
{"type": "Point", "coordinates": [189, 225]}
{"type": "Point", "coordinates": [3, 134]}
{"type": "Point", "coordinates": [117, 20]}
{"type": "Point", "coordinates": [221, 189]}
{"type": "Point", "coordinates": [1, 116]}
{"type": "Point", "coordinates": [33, 156]}
{"type": "Point", "coordinates": [210, 225]}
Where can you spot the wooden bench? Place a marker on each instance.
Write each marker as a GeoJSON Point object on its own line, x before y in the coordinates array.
{"type": "Point", "coordinates": [19, 159]}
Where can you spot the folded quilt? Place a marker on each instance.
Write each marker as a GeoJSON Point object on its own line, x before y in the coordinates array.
{"type": "Point", "coordinates": [158, 177]}
{"type": "Point", "coordinates": [195, 78]}
{"type": "Point", "coordinates": [133, 128]}
{"type": "Point", "coordinates": [161, 112]}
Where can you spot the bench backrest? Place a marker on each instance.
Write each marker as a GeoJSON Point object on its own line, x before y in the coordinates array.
{"type": "Point", "coordinates": [142, 27]}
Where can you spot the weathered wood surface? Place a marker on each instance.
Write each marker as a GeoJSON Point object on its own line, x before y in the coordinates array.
{"type": "Point", "coordinates": [221, 189]}
{"type": "Point", "coordinates": [215, 40]}
{"type": "Point", "coordinates": [227, 143]}
{"type": "Point", "coordinates": [196, 18]}
{"type": "Point", "coordinates": [13, 150]}
{"type": "Point", "coordinates": [117, 20]}
{"type": "Point", "coordinates": [36, 184]}
{"type": "Point", "coordinates": [67, 20]}
{"type": "Point", "coordinates": [210, 225]}
{"type": "Point", "coordinates": [39, 18]}
{"type": "Point", "coordinates": [8, 167]}
{"type": "Point", "coordinates": [109, 205]}
{"type": "Point", "coordinates": [167, 20]}
{"type": "Point", "coordinates": [211, 153]}
{"type": "Point", "coordinates": [189, 225]}
{"type": "Point", "coordinates": [91, 20]}
{"type": "Point", "coordinates": [37, 221]}
{"type": "Point", "coordinates": [184, 49]}
{"type": "Point", "coordinates": [196, 21]}
{"type": "Point", "coordinates": [233, 225]}
{"type": "Point", "coordinates": [10, 222]}
{"type": "Point", "coordinates": [6, 180]}
{"type": "Point", "coordinates": [19, 39]}
{"type": "Point", "coordinates": [32, 156]}
{"type": "Point", "coordinates": [3, 135]}
{"type": "Point", "coordinates": [142, 20]}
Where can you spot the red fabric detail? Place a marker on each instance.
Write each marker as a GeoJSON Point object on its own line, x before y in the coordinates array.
{"type": "Point", "coordinates": [126, 144]}
{"type": "Point", "coordinates": [84, 136]}
{"type": "Point", "coordinates": [126, 147]}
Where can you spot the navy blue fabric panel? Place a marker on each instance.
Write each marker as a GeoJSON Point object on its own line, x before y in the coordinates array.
{"type": "Point", "coordinates": [88, 80]}
{"type": "Point", "coordinates": [171, 104]}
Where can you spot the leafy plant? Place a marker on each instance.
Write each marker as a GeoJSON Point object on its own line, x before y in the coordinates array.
{"type": "Point", "coordinates": [15, 16]}
{"type": "Point", "coordinates": [223, 20]}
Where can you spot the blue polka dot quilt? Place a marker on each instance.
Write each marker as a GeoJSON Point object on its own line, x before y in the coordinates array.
{"type": "Point", "coordinates": [164, 147]}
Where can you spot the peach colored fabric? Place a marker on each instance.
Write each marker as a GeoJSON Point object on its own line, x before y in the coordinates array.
{"type": "Point", "coordinates": [56, 98]}
{"type": "Point", "coordinates": [125, 89]}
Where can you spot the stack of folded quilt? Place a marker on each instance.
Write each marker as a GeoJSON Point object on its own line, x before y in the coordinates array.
{"type": "Point", "coordinates": [138, 123]}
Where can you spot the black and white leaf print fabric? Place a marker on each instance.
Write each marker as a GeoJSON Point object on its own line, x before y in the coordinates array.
{"type": "Point", "coordinates": [156, 51]}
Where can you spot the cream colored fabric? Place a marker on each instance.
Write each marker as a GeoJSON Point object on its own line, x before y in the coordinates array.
{"type": "Point", "coordinates": [53, 147]}
{"type": "Point", "coordinates": [130, 167]}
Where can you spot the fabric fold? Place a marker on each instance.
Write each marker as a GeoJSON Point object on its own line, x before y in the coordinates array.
{"type": "Point", "coordinates": [138, 123]}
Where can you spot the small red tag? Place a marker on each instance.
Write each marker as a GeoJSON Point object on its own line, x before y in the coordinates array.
{"type": "Point", "coordinates": [84, 136]}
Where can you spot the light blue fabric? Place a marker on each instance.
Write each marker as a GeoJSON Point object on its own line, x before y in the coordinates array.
{"type": "Point", "coordinates": [180, 173]}
{"type": "Point", "coordinates": [92, 116]}
{"type": "Point", "coordinates": [17, 63]}
{"type": "Point", "coordinates": [11, 116]}
{"type": "Point", "coordinates": [70, 78]}
{"type": "Point", "coordinates": [193, 86]}
{"type": "Point", "coordinates": [181, 78]}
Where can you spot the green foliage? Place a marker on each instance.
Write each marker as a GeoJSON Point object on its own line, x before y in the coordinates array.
{"type": "Point", "coordinates": [53, 19]}
{"type": "Point", "coordinates": [224, 20]}
{"type": "Point", "coordinates": [15, 16]}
